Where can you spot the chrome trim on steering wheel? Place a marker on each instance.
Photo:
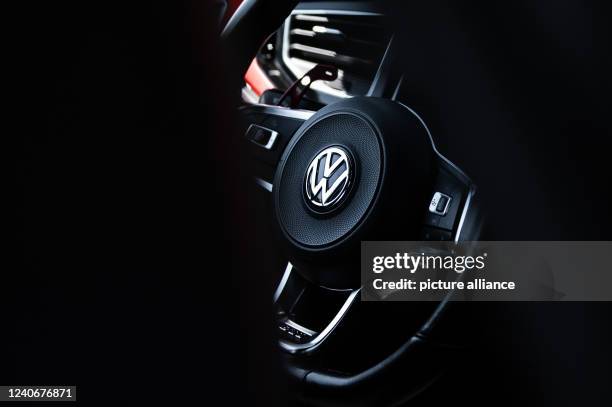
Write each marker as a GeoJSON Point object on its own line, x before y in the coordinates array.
{"type": "Point", "coordinates": [264, 184]}
{"type": "Point", "coordinates": [283, 282]}
{"type": "Point", "coordinates": [272, 110]}
{"type": "Point", "coordinates": [318, 339]}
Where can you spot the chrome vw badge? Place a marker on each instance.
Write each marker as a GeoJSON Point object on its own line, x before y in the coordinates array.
{"type": "Point", "coordinates": [328, 179]}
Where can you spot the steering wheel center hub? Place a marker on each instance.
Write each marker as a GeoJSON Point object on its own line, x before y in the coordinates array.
{"type": "Point", "coordinates": [343, 178]}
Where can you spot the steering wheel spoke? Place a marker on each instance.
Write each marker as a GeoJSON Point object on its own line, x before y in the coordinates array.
{"type": "Point", "coordinates": [308, 314]}
{"type": "Point", "coordinates": [267, 129]}
{"type": "Point", "coordinates": [449, 205]}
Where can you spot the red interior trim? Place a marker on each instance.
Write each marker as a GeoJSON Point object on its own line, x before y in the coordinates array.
{"type": "Point", "coordinates": [257, 79]}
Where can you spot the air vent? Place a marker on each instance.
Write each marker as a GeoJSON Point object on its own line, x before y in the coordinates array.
{"type": "Point", "coordinates": [354, 43]}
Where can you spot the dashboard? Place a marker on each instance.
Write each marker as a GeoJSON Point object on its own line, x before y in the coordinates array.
{"type": "Point", "coordinates": [352, 36]}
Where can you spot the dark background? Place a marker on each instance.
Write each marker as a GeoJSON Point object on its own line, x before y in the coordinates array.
{"type": "Point", "coordinates": [132, 263]}
{"type": "Point", "coordinates": [131, 216]}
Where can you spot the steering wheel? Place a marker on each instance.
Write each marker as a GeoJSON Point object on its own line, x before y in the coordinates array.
{"type": "Point", "coordinates": [364, 168]}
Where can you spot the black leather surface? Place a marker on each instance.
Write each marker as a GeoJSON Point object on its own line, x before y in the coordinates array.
{"type": "Point", "coordinates": [360, 139]}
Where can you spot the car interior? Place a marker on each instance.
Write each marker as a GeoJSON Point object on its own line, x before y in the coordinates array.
{"type": "Point", "coordinates": [462, 100]}
{"type": "Point", "coordinates": [178, 242]}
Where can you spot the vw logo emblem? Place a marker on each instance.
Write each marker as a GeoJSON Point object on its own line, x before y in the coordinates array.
{"type": "Point", "coordinates": [328, 179]}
